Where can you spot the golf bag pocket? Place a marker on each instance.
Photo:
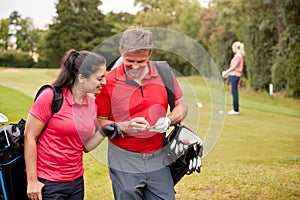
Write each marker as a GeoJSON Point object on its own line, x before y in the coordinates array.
{"type": "Point", "coordinates": [12, 174]}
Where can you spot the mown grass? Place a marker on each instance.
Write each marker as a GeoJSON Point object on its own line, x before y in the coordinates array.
{"type": "Point", "coordinates": [256, 157]}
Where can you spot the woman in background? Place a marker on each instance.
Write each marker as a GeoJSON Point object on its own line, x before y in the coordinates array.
{"type": "Point", "coordinates": [234, 73]}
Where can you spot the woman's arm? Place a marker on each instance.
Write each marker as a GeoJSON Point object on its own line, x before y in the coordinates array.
{"type": "Point", "coordinates": [32, 131]}
{"type": "Point", "coordinates": [93, 141]}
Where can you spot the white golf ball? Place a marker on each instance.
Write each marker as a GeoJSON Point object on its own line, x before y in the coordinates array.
{"type": "Point", "coordinates": [199, 105]}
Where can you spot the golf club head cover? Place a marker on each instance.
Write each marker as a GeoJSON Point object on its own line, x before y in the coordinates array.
{"type": "Point", "coordinates": [182, 139]}
{"type": "Point", "coordinates": [186, 164]}
{"type": "Point", "coordinates": [194, 156]}
{"type": "Point", "coordinates": [178, 147]}
{"type": "Point", "coordinates": [111, 130]}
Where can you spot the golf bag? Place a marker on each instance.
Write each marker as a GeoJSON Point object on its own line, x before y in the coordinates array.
{"type": "Point", "coordinates": [180, 166]}
{"type": "Point", "coordinates": [12, 165]}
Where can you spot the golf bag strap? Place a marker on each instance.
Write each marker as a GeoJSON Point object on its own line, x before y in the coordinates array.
{"type": "Point", "coordinates": [57, 97]}
{"type": "Point", "coordinates": [164, 71]}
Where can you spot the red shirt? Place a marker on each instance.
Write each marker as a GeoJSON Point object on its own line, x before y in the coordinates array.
{"type": "Point", "coordinates": [122, 99]}
{"type": "Point", "coordinates": [60, 145]}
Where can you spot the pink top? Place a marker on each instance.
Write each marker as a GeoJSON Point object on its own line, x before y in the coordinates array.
{"type": "Point", "coordinates": [60, 145]}
{"type": "Point", "coordinates": [237, 61]}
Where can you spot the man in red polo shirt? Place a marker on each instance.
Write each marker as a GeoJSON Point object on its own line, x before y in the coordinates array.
{"type": "Point", "coordinates": [135, 98]}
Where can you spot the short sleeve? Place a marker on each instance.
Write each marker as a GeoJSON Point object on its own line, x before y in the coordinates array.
{"type": "Point", "coordinates": [103, 102]}
{"type": "Point", "coordinates": [177, 89]}
{"type": "Point", "coordinates": [236, 60]}
{"type": "Point", "coordinates": [41, 108]}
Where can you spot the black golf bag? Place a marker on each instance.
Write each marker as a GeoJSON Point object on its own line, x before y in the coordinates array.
{"type": "Point", "coordinates": [12, 165]}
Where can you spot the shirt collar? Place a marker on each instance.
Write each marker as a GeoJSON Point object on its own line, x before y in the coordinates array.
{"type": "Point", "coordinates": [120, 74]}
{"type": "Point", "coordinates": [69, 98]}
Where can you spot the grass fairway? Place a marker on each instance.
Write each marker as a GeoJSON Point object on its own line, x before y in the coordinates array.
{"type": "Point", "coordinates": [256, 157]}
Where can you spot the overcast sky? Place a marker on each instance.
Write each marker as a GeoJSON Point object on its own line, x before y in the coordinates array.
{"type": "Point", "coordinates": [42, 11]}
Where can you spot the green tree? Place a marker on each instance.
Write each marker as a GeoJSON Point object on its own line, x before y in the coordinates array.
{"type": "Point", "coordinates": [79, 25]}
{"type": "Point", "coordinates": [286, 67]}
{"type": "Point", "coordinates": [261, 39]}
{"type": "Point", "coordinates": [15, 18]}
{"type": "Point", "coordinates": [221, 30]}
{"type": "Point", "coordinates": [177, 15]}
{"type": "Point", "coordinates": [270, 31]}
{"type": "Point", "coordinates": [27, 36]}
{"type": "Point", "coordinates": [18, 33]}
{"type": "Point", "coordinates": [4, 36]}
{"type": "Point", "coordinates": [118, 22]}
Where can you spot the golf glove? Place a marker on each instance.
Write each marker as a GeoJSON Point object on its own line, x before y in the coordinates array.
{"type": "Point", "coordinates": [111, 130]}
{"type": "Point", "coordinates": [224, 74]}
{"type": "Point", "coordinates": [162, 125]}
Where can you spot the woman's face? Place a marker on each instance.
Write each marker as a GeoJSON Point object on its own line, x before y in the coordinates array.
{"type": "Point", "coordinates": [234, 48]}
{"type": "Point", "coordinates": [94, 83]}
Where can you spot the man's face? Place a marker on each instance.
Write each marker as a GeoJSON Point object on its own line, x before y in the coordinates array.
{"type": "Point", "coordinates": [135, 63]}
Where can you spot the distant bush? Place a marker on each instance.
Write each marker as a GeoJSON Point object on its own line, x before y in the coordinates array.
{"type": "Point", "coordinates": [45, 63]}
{"type": "Point", "coordinates": [16, 59]}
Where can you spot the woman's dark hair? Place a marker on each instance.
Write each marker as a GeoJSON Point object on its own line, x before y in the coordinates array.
{"type": "Point", "coordinates": [75, 63]}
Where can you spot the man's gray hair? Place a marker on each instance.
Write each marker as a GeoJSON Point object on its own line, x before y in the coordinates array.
{"type": "Point", "coordinates": [136, 39]}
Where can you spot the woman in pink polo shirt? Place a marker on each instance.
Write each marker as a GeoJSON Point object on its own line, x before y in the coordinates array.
{"type": "Point", "coordinates": [234, 73]}
{"type": "Point", "coordinates": [54, 144]}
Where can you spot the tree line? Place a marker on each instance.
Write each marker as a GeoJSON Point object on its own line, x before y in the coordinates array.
{"type": "Point", "coordinates": [270, 30]}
